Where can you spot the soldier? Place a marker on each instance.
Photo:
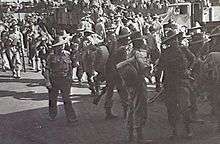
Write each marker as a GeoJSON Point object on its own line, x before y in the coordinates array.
{"type": "Point", "coordinates": [215, 42]}
{"type": "Point", "coordinates": [78, 53]}
{"type": "Point", "coordinates": [16, 47]}
{"type": "Point", "coordinates": [58, 76]}
{"type": "Point", "coordinates": [118, 54]}
{"type": "Point", "coordinates": [100, 27]}
{"type": "Point", "coordinates": [4, 50]}
{"type": "Point", "coordinates": [175, 83]}
{"type": "Point", "coordinates": [153, 50]}
{"type": "Point", "coordinates": [197, 44]}
{"type": "Point", "coordinates": [132, 72]}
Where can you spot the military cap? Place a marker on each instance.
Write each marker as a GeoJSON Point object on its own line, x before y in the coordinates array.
{"type": "Point", "coordinates": [124, 33]}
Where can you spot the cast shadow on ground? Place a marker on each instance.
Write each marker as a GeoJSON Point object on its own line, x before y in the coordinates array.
{"type": "Point", "coordinates": [31, 95]}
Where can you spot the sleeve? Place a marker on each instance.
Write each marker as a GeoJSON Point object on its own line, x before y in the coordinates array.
{"type": "Point", "coordinates": [46, 73]}
{"type": "Point", "coordinates": [70, 72]}
{"type": "Point", "coordinates": [190, 57]}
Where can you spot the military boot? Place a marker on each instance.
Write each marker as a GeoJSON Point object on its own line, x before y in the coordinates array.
{"type": "Point", "coordinates": [18, 74]}
{"type": "Point", "coordinates": [109, 114]}
{"type": "Point", "coordinates": [37, 66]}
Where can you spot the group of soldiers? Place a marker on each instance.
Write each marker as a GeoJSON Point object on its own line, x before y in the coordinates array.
{"type": "Point", "coordinates": [137, 47]}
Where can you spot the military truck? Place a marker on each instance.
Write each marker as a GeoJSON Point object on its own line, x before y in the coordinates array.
{"type": "Point", "coordinates": [188, 14]}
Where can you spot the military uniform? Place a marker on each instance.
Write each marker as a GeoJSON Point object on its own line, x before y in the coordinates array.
{"type": "Point", "coordinates": [176, 85]}
{"type": "Point", "coordinates": [132, 72]}
{"type": "Point", "coordinates": [114, 58]}
{"type": "Point", "coordinates": [209, 81]}
{"type": "Point", "coordinates": [58, 78]}
{"type": "Point", "coordinates": [15, 45]}
{"type": "Point", "coordinates": [117, 55]}
{"type": "Point", "coordinates": [6, 64]}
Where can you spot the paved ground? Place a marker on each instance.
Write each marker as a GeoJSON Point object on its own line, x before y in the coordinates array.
{"type": "Point", "coordinates": [24, 118]}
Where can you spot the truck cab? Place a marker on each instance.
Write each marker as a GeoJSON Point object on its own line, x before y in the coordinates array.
{"type": "Point", "coordinates": [186, 14]}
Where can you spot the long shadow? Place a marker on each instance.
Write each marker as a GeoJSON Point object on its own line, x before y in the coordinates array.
{"type": "Point", "coordinates": [5, 76]}
{"type": "Point", "coordinates": [30, 95]}
{"type": "Point", "coordinates": [35, 82]}
{"type": "Point", "coordinates": [22, 80]}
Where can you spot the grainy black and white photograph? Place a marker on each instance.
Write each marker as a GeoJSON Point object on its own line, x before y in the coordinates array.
{"type": "Point", "coordinates": [109, 71]}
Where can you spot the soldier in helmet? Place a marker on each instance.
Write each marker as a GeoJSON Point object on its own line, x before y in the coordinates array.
{"type": "Point", "coordinates": [58, 76]}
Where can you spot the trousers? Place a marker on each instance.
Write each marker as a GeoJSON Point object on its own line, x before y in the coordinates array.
{"type": "Point", "coordinates": [63, 86]}
{"type": "Point", "coordinates": [178, 103]}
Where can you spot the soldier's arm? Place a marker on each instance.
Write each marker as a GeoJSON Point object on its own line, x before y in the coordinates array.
{"type": "Point", "coordinates": [46, 73]}
{"type": "Point", "coordinates": [190, 57]}
{"type": "Point", "coordinates": [70, 72]}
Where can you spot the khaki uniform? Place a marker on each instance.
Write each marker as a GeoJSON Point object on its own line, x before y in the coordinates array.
{"type": "Point", "coordinates": [176, 86]}
{"type": "Point", "coordinates": [210, 81]}
{"type": "Point", "coordinates": [15, 46]}
{"type": "Point", "coordinates": [132, 73]}
{"type": "Point", "coordinates": [116, 57]}
{"type": "Point", "coordinates": [59, 74]}
{"type": "Point", "coordinates": [5, 60]}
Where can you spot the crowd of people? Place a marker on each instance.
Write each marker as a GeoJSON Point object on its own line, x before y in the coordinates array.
{"type": "Point", "coordinates": [119, 46]}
